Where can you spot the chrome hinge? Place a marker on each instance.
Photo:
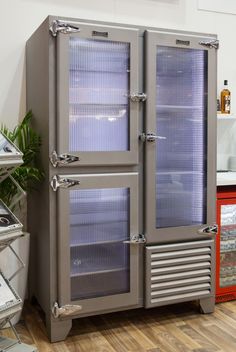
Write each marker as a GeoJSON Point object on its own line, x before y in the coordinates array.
{"type": "Point", "coordinates": [65, 311]}
{"type": "Point", "coordinates": [136, 239]}
{"type": "Point", "coordinates": [62, 27]}
{"type": "Point", "coordinates": [62, 159]}
{"type": "Point", "coordinates": [208, 230]}
{"type": "Point", "coordinates": [210, 43]}
{"type": "Point", "coordinates": [138, 97]}
{"type": "Point", "coordinates": [62, 182]}
{"type": "Point", "coordinates": [150, 137]}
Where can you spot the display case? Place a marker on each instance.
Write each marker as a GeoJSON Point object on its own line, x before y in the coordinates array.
{"type": "Point", "coordinates": [10, 157]}
{"type": "Point", "coordinates": [10, 230]}
{"type": "Point", "coordinates": [226, 244]}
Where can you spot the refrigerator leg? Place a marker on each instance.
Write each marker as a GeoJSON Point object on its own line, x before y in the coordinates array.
{"type": "Point", "coordinates": [207, 305]}
{"type": "Point", "coordinates": [58, 330]}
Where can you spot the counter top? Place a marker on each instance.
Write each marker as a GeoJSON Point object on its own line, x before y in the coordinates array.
{"type": "Point", "coordinates": [226, 178]}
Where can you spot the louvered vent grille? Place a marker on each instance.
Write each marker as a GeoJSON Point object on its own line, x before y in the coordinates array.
{"type": "Point", "coordinates": [178, 272]}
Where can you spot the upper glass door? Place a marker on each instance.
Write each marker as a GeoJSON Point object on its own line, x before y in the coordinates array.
{"type": "Point", "coordinates": [181, 156]}
{"type": "Point", "coordinates": [97, 73]}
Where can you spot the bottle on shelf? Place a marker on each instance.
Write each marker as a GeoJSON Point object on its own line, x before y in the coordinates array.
{"type": "Point", "coordinates": [225, 99]}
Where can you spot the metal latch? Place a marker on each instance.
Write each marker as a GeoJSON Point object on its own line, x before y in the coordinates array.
{"type": "Point", "coordinates": [208, 230]}
{"type": "Point", "coordinates": [210, 43]}
{"type": "Point", "coordinates": [138, 97]}
{"type": "Point", "coordinates": [65, 311]}
{"type": "Point", "coordinates": [150, 137]}
{"type": "Point", "coordinates": [62, 182]}
{"type": "Point", "coordinates": [136, 239]}
{"type": "Point", "coordinates": [62, 159]}
{"type": "Point", "coordinates": [62, 27]}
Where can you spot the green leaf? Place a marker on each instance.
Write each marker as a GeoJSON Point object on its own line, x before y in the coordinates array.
{"type": "Point", "coordinates": [30, 173]}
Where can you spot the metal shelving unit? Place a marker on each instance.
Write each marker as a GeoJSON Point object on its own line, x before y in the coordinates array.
{"type": "Point", "coordinates": [10, 230]}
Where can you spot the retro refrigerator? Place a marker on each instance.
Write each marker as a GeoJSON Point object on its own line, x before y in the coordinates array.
{"type": "Point", "coordinates": [126, 215]}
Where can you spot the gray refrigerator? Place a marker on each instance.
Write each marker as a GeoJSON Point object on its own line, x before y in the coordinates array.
{"type": "Point", "coordinates": [126, 215]}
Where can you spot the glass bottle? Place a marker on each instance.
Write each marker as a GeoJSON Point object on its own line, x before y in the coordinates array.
{"type": "Point", "coordinates": [225, 99]}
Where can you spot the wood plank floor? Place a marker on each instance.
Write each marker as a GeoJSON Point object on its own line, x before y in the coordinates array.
{"type": "Point", "coordinates": [178, 328]}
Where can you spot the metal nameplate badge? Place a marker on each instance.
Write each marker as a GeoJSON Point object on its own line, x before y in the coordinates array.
{"type": "Point", "coordinates": [183, 42]}
{"type": "Point", "coordinates": [99, 34]}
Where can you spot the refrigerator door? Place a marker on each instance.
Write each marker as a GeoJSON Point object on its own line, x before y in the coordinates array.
{"type": "Point", "coordinates": [97, 72]}
{"type": "Point", "coordinates": [180, 137]}
{"type": "Point", "coordinates": [98, 267]}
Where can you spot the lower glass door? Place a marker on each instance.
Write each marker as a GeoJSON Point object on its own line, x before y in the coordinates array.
{"type": "Point", "coordinates": [97, 263]}
{"type": "Point", "coordinates": [99, 225]}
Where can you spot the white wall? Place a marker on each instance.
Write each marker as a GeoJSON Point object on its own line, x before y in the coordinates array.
{"type": "Point", "coordinates": [19, 18]}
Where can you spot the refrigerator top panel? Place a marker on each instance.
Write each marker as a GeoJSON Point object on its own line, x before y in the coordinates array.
{"type": "Point", "coordinates": [10, 157]}
{"type": "Point", "coordinates": [10, 302]}
{"type": "Point", "coordinates": [10, 226]}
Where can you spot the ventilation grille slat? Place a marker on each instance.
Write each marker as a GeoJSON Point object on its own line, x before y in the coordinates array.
{"type": "Point", "coordinates": [180, 297]}
{"type": "Point", "coordinates": [181, 253]}
{"type": "Point", "coordinates": [169, 277]}
{"type": "Point", "coordinates": [177, 283]}
{"type": "Point", "coordinates": [178, 272]}
{"type": "Point", "coordinates": [167, 262]}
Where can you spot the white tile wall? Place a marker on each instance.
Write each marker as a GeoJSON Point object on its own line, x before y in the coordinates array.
{"type": "Point", "coordinates": [226, 142]}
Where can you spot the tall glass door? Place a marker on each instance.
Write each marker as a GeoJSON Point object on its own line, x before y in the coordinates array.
{"type": "Point", "coordinates": [97, 72]}
{"type": "Point", "coordinates": [180, 158]}
{"type": "Point", "coordinates": [98, 267]}
{"type": "Point", "coordinates": [181, 120]}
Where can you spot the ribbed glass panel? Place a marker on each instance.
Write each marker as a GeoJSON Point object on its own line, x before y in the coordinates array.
{"type": "Point", "coordinates": [181, 118]}
{"type": "Point", "coordinates": [228, 245]}
{"type": "Point", "coordinates": [99, 223]}
{"type": "Point", "coordinates": [98, 95]}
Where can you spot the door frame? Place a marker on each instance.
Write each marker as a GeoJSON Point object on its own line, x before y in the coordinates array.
{"type": "Point", "coordinates": [119, 34]}
{"type": "Point", "coordinates": [163, 235]}
{"type": "Point", "coordinates": [89, 181]}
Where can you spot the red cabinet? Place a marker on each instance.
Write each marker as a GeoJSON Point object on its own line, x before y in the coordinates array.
{"type": "Point", "coordinates": [226, 244]}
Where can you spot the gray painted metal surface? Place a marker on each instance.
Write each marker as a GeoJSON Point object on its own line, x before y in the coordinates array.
{"type": "Point", "coordinates": [179, 272]}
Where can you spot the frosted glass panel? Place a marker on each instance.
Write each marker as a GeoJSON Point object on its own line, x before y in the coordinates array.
{"type": "Point", "coordinates": [98, 95]}
{"type": "Point", "coordinates": [99, 223]}
{"type": "Point", "coordinates": [181, 119]}
{"type": "Point", "coordinates": [228, 245]}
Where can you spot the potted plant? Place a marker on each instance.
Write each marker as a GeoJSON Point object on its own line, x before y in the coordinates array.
{"type": "Point", "coordinates": [27, 176]}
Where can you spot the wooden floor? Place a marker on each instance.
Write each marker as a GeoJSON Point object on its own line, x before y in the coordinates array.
{"type": "Point", "coordinates": [168, 329]}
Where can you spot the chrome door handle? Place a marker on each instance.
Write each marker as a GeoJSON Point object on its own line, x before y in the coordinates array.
{"type": "Point", "coordinates": [136, 239]}
{"type": "Point", "coordinates": [208, 230]}
{"type": "Point", "coordinates": [150, 137]}
{"type": "Point", "coordinates": [62, 182]}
